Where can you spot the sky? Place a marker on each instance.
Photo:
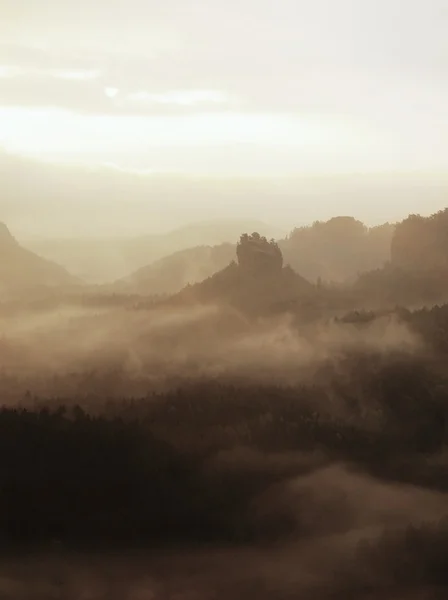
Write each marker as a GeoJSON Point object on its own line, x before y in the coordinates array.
{"type": "Point", "coordinates": [226, 90]}
{"type": "Point", "coordinates": [235, 87]}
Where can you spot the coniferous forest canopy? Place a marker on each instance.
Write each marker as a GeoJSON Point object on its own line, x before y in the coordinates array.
{"type": "Point", "coordinates": [278, 428]}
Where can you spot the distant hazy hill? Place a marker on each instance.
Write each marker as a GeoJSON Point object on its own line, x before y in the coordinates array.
{"type": "Point", "coordinates": [417, 273]}
{"type": "Point", "coordinates": [21, 269]}
{"type": "Point", "coordinates": [101, 261]}
{"type": "Point", "coordinates": [170, 274]}
{"type": "Point", "coordinates": [337, 250]}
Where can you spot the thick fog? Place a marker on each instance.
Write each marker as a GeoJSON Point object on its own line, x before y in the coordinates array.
{"type": "Point", "coordinates": [146, 350]}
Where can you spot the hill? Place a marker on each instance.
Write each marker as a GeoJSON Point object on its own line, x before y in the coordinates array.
{"type": "Point", "coordinates": [417, 272]}
{"type": "Point", "coordinates": [334, 251]}
{"type": "Point", "coordinates": [170, 274]}
{"type": "Point", "coordinates": [106, 260]}
{"type": "Point", "coordinates": [21, 269]}
{"type": "Point", "coordinates": [232, 286]}
{"type": "Point", "coordinates": [337, 250]}
{"type": "Point", "coordinates": [257, 284]}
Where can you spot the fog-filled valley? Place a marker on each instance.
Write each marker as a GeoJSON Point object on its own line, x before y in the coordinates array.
{"type": "Point", "coordinates": [272, 423]}
{"type": "Point", "coordinates": [223, 300]}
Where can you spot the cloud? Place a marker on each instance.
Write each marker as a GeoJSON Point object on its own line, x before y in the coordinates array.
{"type": "Point", "coordinates": [26, 55]}
{"type": "Point", "coordinates": [162, 85]}
{"type": "Point", "coordinates": [375, 32]}
{"type": "Point", "coordinates": [328, 56]}
{"type": "Point", "coordinates": [87, 91]}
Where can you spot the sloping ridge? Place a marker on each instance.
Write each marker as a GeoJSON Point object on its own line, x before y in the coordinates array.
{"type": "Point", "coordinates": [170, 274]}
{"type": "Point", "coordinates": [21, 269]}
{"type": "Point", "coordinates": [104, 260]}
{"type": "Point", "coordinates": [235, 287]}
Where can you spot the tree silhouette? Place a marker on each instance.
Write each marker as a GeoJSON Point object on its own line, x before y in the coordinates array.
{"type": "Point", "coordinates": [258, 255]}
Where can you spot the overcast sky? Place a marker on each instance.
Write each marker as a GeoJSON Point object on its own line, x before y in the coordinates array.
{"type": "Point", "coordinates": [228, 88]}
{"type": "Point", "coordinates": [321, 85]}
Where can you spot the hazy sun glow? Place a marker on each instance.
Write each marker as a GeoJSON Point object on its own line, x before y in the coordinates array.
{"type": "Point", "coordinates": [349, 85]}
{"type": "Point", "coordinates": [57, 133]}
{"type": "Point", "coordinates": [181, 98]}
{"type": "Point", "coordinates": [7, 71]}
{"type": "Point", "coordinates": [51, 130]}
{"type": "Point", "coordinates": [224, 92]}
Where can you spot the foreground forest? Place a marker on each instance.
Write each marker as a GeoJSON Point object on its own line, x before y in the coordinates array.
{"type": "Point", "coordinates": [346, 464]}
{"type": "Point", "coordinates": [256, 435]}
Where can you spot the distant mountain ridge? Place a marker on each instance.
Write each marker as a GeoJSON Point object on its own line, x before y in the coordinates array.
{"type": "Point", "coordinates": [256, 282]}
{"type": "Point", "coordinates": [106, 260]}
{"type": "Point", "coordinates": [21, 269]}
{"type": "Point", "coordinates": [336, 250]}
{"type": "Point", "coordinates": [170, 274]}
